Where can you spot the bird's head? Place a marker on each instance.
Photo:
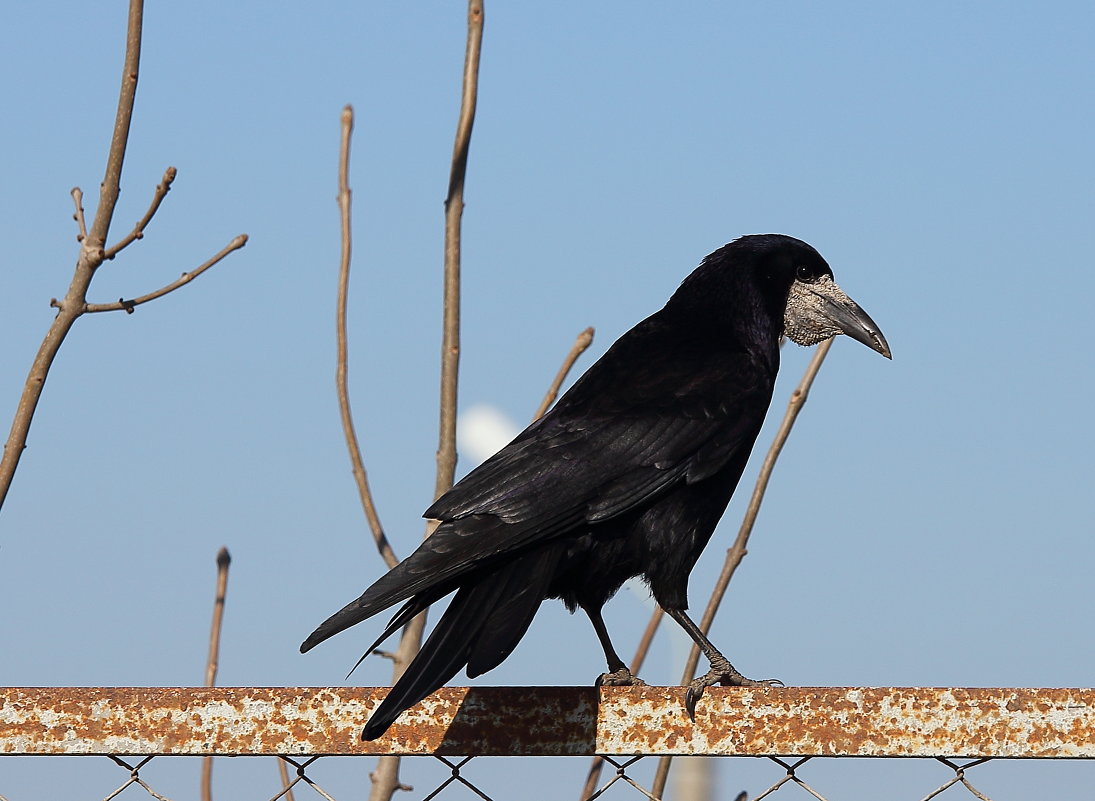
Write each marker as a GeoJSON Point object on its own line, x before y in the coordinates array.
{"type": "Point", "coordinates": [793, 284]}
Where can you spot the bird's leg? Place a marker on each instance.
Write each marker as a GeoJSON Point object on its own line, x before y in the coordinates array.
{"type": "Point", "coordinates": [722, 672]}
{"type": "Point", "coordinates": [618, 673]}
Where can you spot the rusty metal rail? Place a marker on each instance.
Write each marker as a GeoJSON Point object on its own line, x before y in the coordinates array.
{"type": "Point", "coordinates": [547, 721]}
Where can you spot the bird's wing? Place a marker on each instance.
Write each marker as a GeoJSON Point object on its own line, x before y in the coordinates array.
{"type": "Point", "coordinates": [654, 411]}
{"type": "Point", "coordinates": [641, 420]}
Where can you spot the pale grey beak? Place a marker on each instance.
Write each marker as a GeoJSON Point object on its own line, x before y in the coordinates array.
{"type": "Point", "coordinates": [818, 310]}
{"type": "Point", "coordinates": [857, 324]}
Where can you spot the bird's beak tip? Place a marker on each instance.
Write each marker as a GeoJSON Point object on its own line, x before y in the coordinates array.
{"type": "Point", "coordinates": [863, 330]}
{"type": "Point", "coordinates": [882, 346]}
{"type": "Point", "coordinates": [858, 325]}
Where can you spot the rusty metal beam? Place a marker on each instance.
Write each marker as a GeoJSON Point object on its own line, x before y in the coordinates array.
{"type": "Point", "coordinates": [545, 721]}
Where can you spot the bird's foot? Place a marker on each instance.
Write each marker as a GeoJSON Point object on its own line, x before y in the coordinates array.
{"type": "Point", "coordinates": [620, 678]}
{"type": "Point", "coordinates": [721, 672]}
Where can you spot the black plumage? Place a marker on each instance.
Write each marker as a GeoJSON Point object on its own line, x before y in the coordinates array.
{"type": "Point", "coordinates": [626, 476]}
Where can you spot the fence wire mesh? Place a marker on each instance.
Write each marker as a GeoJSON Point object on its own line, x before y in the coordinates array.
{"type": "Point", "coordinates": [623, 779]}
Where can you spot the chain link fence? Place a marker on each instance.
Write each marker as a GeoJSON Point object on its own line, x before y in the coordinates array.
{"type": "Point", "coordinates": [457, 778]}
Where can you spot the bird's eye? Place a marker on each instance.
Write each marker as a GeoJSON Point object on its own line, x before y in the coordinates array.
{"type": "Point", "coordinates": [804, 273]}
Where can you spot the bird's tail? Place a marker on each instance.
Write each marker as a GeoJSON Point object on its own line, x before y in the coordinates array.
{"type": "Point", "coordinates": [481, 626]}
{"type": "Point", "coordinates": [426, 576]}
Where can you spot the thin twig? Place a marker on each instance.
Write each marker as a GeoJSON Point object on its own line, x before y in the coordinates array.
{"type": "Point", "coordinates": [223, 561]}
{"type": "Point", "coordinates": [584, 340]}
{"type": "Point", "coordinates": [287, 786]}
{"type": "Point", "coordinates": [385, 779]}
{"type": "Point", "coordinates": [342, 369]}
{"type": "Point", "coordinates": [91, 256]}
{"type": "Point", "coordinates": [643, 648]}
{"type": "Point", "coordinates": [737, 551]}
{"type": "Point", "coordinates": [78, 215]}
{"type": "Point", "coordinates": [74, 304]}
{"type": "Point", "coordinates": [129, 305]}
{"type": "Point", "coordinates": [111, 186]}
{"type": "Point", "coordinates": [32, 393]}
{"type": "Point", "coordinates": [162, 188]}
{"type": "Point", "coordinates": [454, 211]}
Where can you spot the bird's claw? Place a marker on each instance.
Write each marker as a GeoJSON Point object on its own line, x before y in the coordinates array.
{"type": "Point", "coordinates": [691, 698]}
{"type": "Point", "coordinates": [620, 678]}
{"type": "Point", "coordinates": [725, 674]}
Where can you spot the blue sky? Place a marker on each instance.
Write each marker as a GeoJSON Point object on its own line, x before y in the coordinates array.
{"type": "Point", "coordinates": [929, 523]}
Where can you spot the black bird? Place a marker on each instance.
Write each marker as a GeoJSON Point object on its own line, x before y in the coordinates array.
{"type": "Point", "coordinates": [626, 476]}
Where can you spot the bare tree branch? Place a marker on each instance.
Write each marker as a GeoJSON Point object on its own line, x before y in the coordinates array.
{"type": "Point", "coordinates": [162, 188]}
{"type": "Point", "coordinates": [129, 305]}
{"type": "Point", "coordinates": [287, 786]}
{"type": "Point", "coordinates": [28, 401]}
{"type": "Point", "coordinates": [92, 254]}
{"type": "Point", "coordinates": [454, 211]}
{"type": "Point", "coordinates": [643, 648]}
{"type": "Point", "coordinates": [385, 779]}
{"type": "Point", "coordinates": [734, 555]}
{"type": "Point", "coordinates": [223, 561]}
{"type": "Point", "coordinates": [342, 368]}
{"type": "Point", "coordinates": [111, 186]}
{"type": "Point", "coordinates": [584, 340]}
{"type": "Point", "coordinates": [737, 550]}
{"type": "Point", "coordinates": [78, 199]}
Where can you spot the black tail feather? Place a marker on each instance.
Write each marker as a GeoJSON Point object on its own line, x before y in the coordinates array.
{"type": "Point", "coordinates": [441, 657]}
{"type": "Point", "coordinates": [400, 619]}
{"type": "Point", "coordinates": [430, 570]}
{"type": "Point", "coordinates": [482, 625]}
{"type": "Point", "coordinates": [524, 591]}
